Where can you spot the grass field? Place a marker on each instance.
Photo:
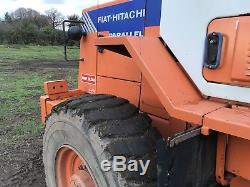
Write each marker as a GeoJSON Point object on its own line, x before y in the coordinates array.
{"type": "Point", "coordinates": [20, 53]}
{"type": "Point", "coordinates": [23, 69]}
{"type": "Point", "coordinates": [17, 53]}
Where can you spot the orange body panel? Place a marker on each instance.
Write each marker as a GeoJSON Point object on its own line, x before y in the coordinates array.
{"type": "Point", "coordinates": [168, 128]}
{"type": "Point", "coordinates": [149, 101]}
{"type": "Point", "coordinates": [238, 157]}
{"type": "Point", "coordinates": [55, 87]}
{"type": "Point", "coordinates": [111, 64]}
{"type": "Point", "coordinates": [87, 68]}
{"type": "Point", "coordinates": [239, 182]}
{"type": "Point", "coordinates": [179, 97]}
{"type": "Point", "coordinates": [57, 92]}
{"type": "Point", "coordinates": [51, 104]}
{"type": "Point", "coordinates": [125, 89]}
{"type": "Point", "coordinates": [241, 60]}
{"type": "Point", "coordinates": [235, 122]}
{"type": "Point", "coordinates": [43, 107]}
{"type": "Point", "coordinates": [235, 60]}
{"type": "Point", "coordinates": [152, 31]}
{"type": "Point", "coordinates": [221, 159]}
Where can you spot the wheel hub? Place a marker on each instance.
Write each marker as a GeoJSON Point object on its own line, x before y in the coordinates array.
{"type": "Point", "coordinates": [72, 170]}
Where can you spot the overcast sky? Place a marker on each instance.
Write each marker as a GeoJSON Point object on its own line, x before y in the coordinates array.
{"type": "Point", "coordinates": [67, 7]}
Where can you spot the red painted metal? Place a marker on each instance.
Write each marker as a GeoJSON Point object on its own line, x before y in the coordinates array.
{"type": "Point", "coordinates": [72, 170]}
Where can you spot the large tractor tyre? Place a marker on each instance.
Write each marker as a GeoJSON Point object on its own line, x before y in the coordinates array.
{"type": "Point", "coordinates": [81, 133]}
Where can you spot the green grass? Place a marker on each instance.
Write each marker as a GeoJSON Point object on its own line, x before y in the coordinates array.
{"type": "Point", "coordinates": [20, 89]}
{"type": "Point", "coordinates": [20, 53]}
{"type": "Point", "coordinates": [27, 128]}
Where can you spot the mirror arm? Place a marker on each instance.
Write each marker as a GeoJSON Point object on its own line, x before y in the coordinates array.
{"type": "Point", "coordinates": [66, 39]}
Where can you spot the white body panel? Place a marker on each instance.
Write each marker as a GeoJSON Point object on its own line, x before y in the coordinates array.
{"type": "Point", "coordinates": [184, 27]}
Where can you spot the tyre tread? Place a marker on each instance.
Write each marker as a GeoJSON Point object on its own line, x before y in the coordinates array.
{"type": "Point", "coordinates": [121, 126]}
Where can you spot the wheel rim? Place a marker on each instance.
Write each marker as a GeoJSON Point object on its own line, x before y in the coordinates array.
{"type": "Point", "coordinates": [72, 170]}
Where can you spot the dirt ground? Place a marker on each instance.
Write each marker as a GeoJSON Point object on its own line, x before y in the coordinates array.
{"type": "Point", "coordinates": [20, 128]}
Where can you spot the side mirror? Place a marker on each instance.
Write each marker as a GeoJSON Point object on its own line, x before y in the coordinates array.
{"type": "Point", "coordinates": [75, 33]}
{"type": "Point", "coordinates": [71, 36]}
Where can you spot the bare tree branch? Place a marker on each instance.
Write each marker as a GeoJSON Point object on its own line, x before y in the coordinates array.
{"type": "Point", "coordinates": [56, 18]}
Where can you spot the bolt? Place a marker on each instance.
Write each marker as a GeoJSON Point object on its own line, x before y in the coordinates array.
{"type": "Point", "coordinates": [100, 49]}
{"type": "Point", "coordinates": [82, 167]}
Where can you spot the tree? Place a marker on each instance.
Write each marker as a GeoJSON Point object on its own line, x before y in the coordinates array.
{"type": "Point", "coordinates": [23, 13]}
{"type": "Point", "coordinates": [55, 18]}
{"type": "Point", "coordinates": [73, 17]}
{"type": "Point", "coordinates": [41, 21]}
{"type": "Point", "coordinates": [7, 17]}
{"type": "Point", "coordinates": [2, 32]}
{"type": "Point", "coordinates": [27, 26]}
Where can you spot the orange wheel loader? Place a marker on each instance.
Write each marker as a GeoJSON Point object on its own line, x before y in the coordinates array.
{"type": "Point", "coordinates": [163, 97]}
